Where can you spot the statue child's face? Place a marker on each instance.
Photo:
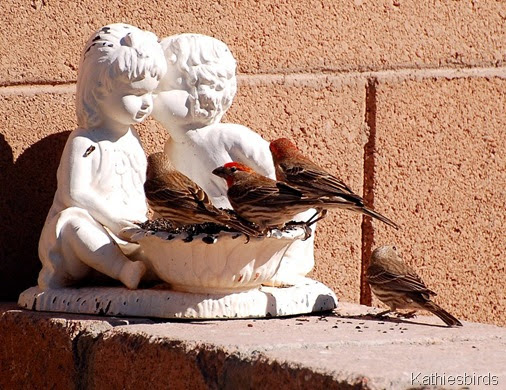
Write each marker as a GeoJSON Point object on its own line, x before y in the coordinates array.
{"type": "Point", "coordinates": [131, 102]}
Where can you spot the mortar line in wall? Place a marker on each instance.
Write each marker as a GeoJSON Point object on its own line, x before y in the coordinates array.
{"type": "Point", "coordinates": [491, 71]}
{"type": "Point", "coordinates": [302, 79]}
{"type": "Point", "coordinates": [36, 89]}
{"type": "Point", "coordinates": [368, 189]}
{"type": "Point", "coordinates": [346, 78]}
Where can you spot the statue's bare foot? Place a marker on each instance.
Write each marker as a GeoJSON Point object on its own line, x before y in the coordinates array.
{"type": "Point", "coordinates": [131, 274]}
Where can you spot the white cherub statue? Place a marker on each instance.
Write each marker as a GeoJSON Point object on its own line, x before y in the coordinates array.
{"type": "Point", "coordinates": [191, 99]}
{"type": "Point", "coordinates": [103, 166]}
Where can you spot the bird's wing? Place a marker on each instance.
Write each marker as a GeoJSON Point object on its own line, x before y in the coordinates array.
{"type": "Point", "coordinates": [271, 193]}
{"type": "Point", "coordinates": [288, 190]}
{"type": "Point", "coordinates": [175, 197]}
{"type": "Point", "coordinates": [168, 195]}
{"type": "Point", "coordinates": [398, 282]}
{"type": "Point", "coordinates": [314, 178]}
{"type": "Point", "coordinates": [252, 195]}
{"type": "Point", "coordinates": [202, 199]}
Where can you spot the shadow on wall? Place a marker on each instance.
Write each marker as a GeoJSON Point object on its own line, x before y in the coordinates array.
{"type": "Point", "coordinates": [27, 188]}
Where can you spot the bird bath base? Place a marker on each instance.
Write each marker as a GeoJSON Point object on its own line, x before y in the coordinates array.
{"type": "Point", "coordinates": [308, 296]}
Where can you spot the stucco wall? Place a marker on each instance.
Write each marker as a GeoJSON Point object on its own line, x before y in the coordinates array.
{"type": "Point", "coordinates": [404, 101]}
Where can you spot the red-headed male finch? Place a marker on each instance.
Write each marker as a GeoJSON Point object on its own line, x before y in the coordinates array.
{"type": "Point", "coordinates": [265, 202]}
{"type": "Point", "coordinates": [300, 172]}
{"type": "Point", "coordinates": [174, 196]}
{"type": "Point", "coordinates": [399, 287]}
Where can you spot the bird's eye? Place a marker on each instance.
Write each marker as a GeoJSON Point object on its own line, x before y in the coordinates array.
{"type": "Point", "coordinates": [233, 169]}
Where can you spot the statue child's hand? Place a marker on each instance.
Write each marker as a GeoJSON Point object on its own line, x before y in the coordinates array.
{"type": "Point", "coordinates": [126, 224]}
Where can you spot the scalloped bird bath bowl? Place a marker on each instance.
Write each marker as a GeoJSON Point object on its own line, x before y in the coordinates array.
{"type": "Point", "coordinates": [218, 263]}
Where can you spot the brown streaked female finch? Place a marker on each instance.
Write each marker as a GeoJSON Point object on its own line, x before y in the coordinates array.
{"type": "Point", "coordinates": [300, 172]}
{"type": "Point", "coordinates": [398, 286]}
{"type": "Point", "coordinates": [174, 196]}
{"type": "Point", "coordinates": [265, 202]}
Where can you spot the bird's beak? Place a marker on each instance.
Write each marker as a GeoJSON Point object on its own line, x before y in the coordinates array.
{"type": "Point", "coordinates": [220, 171]}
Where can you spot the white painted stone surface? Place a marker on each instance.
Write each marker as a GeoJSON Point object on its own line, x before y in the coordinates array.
{"type": "Point", "coordinates": [310, 296]}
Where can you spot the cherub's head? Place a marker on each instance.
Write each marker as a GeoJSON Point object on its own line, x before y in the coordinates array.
{"type": "Point", "coordinates": [120, 67]}
{"type": "Point", "coordinates": [200, 82]}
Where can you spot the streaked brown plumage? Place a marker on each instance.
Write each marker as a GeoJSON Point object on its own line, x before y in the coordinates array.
{"type": "Point", "coordinates": [267, 203]}
{"type": "Point", "coordinates": [398, 285]}
{"type": "Point", "coordinates": [174, 196]}
{"type": "Point", "coordinates": [300, 172]}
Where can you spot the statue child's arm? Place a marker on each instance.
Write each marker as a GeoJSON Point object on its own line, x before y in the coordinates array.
{"type": "Point", "coordinates": [252, 150]}
{"type": "Point", "coordinates": [87, 177]}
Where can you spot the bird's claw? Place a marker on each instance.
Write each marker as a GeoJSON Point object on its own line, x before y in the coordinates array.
{"type": "Point", "coordinates": [320, 214]}
{"type": "Point", "coordinates": [305, 226]}
{"type": "Point", "coordinates": [382, 314]}
{"type": "Point", "coordinates": [411, 314]}
{"type": "Point", "coordinates": [307, 232]}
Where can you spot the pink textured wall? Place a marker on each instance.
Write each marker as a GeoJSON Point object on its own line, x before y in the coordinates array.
{"type": "Point", "coordinates": [404, 101]}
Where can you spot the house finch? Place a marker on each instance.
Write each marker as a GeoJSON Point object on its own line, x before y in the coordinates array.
{"type": "Point", "coordinates": [398, 286]}
{"type": "Point", "coordinates": [177, 198]}
{"type": "Point", "coordinates": [297, 170]}
{"type": "Point", "coordinates": [267, 203]}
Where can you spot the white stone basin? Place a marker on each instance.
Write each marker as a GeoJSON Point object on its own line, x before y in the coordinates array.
{"type": "Point", "coordinates": [225, 264]}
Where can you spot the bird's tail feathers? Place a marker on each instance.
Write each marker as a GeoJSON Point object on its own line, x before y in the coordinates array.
{"type": "Point", "coordinates": [446, 317]}
{"type": "Point", "coordinates": [241, 226]}
{"type": "Point", "coordinates": [382, 218]}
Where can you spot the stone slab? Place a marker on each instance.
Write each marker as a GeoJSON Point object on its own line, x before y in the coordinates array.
{"type": "Point", "coordinates": [41, 351]}
{"type": "Point", "coordinates": [349, 348]}
{"type": "Point", "coordinates": [306, 297]}
{"type": "Point", "coordinates": [346, 349]}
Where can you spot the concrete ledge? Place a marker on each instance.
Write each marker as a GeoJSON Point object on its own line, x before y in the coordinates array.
{"type": "Point", "coordinates": [346, 349]}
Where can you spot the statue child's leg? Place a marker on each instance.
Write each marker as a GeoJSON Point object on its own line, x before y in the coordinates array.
{"type": "Point", "coordinates": [86, 241]}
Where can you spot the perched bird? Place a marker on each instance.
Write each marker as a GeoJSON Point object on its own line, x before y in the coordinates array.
{"type": "Point", "coordinates": [174, 196]}
{"type": "Point", "coordinates": [300, 172]}
{"type": "Point", "coordinates": [265, 202]}
{"type": "Point", "coordinates": [398, 286]}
